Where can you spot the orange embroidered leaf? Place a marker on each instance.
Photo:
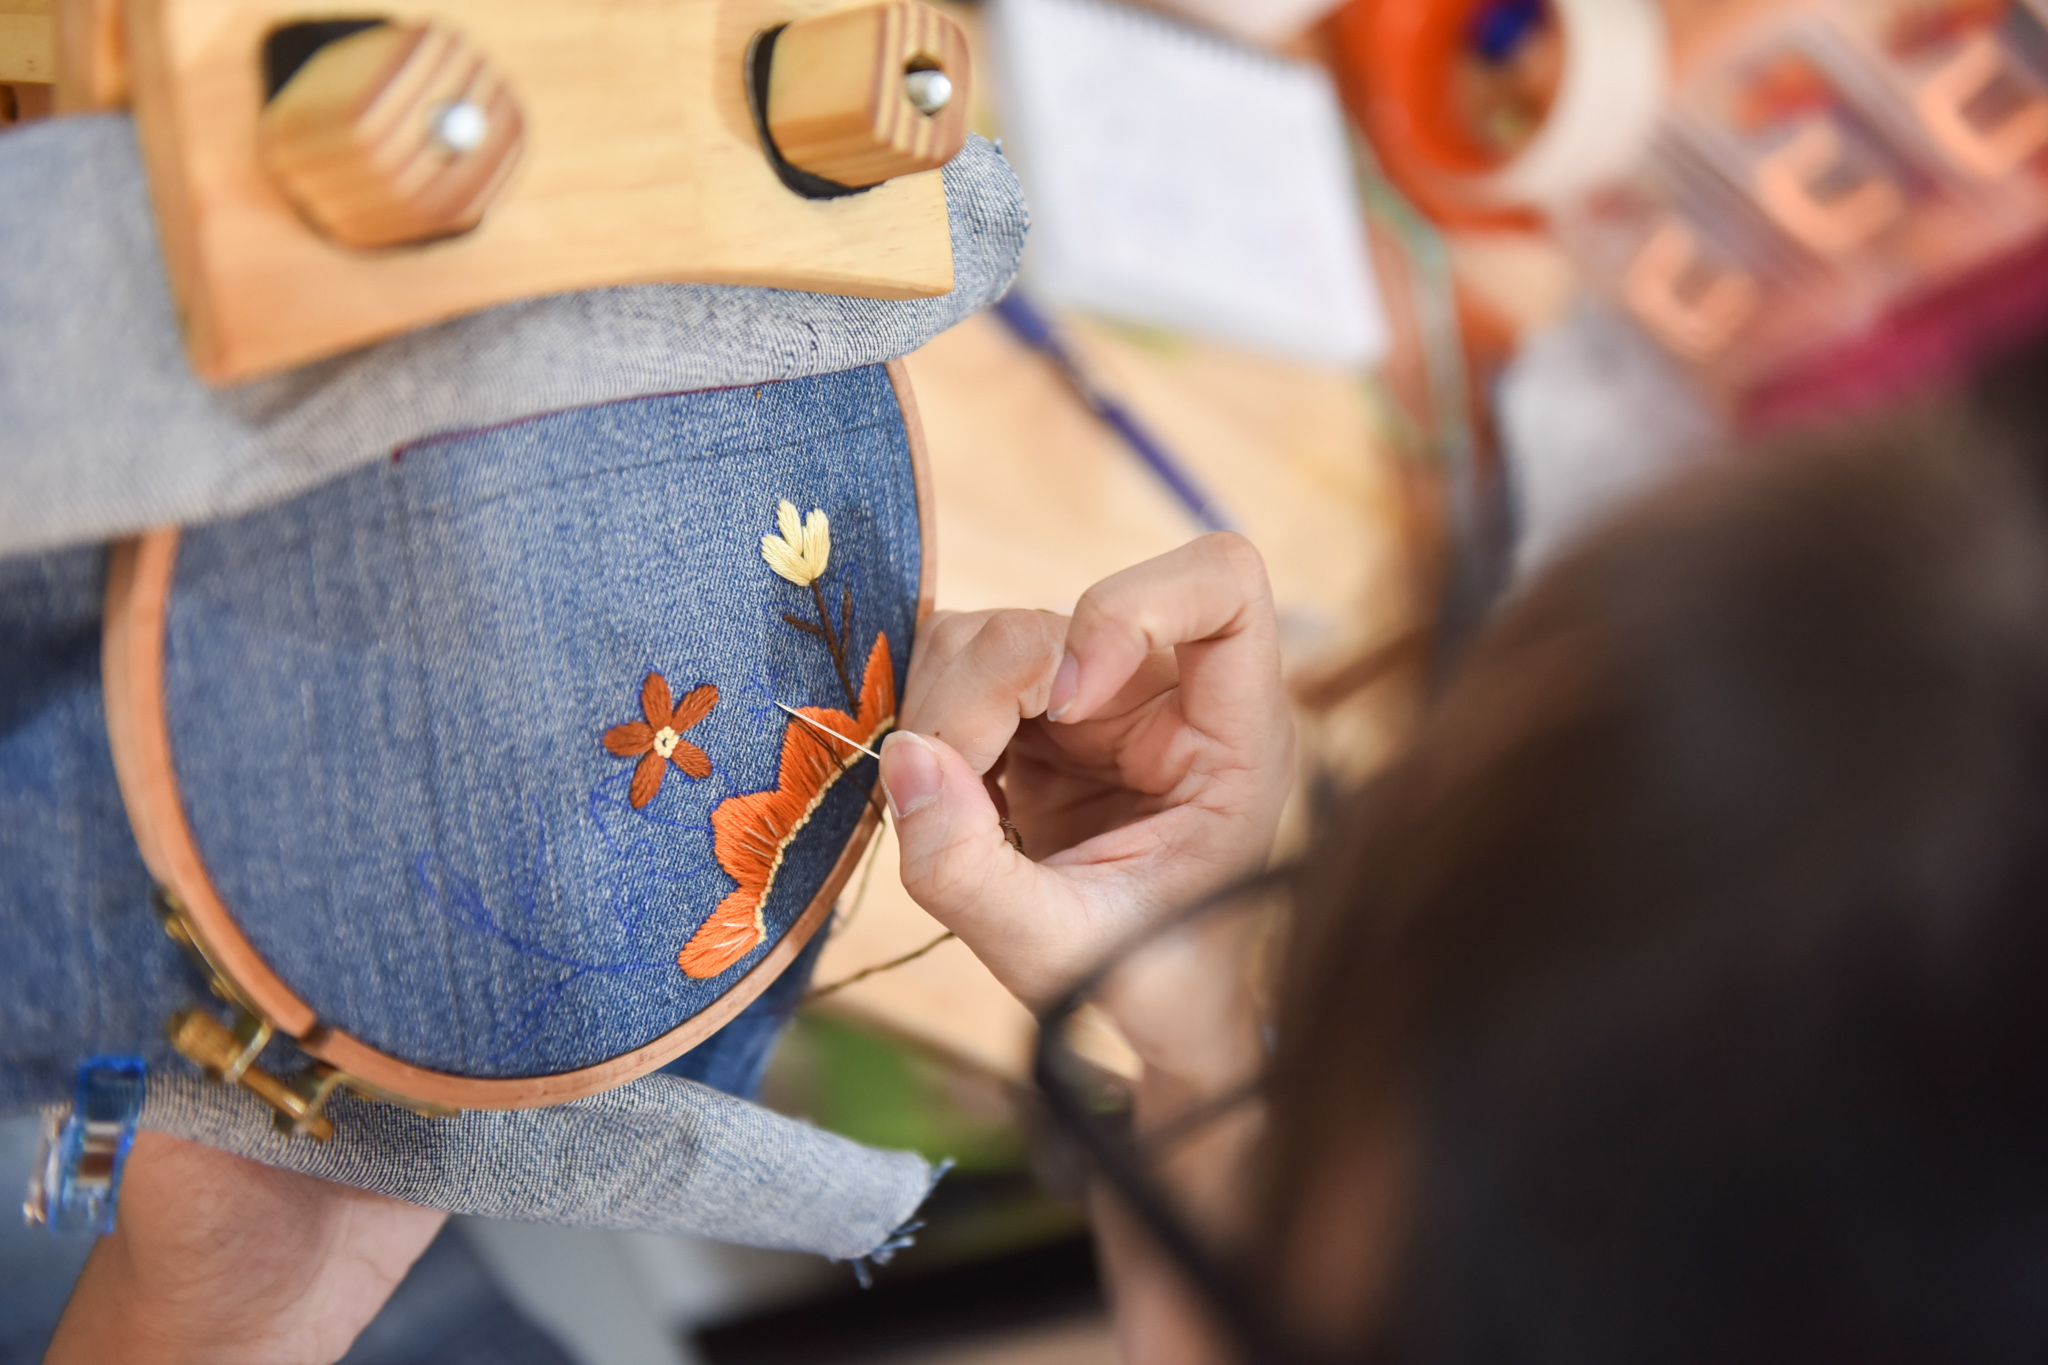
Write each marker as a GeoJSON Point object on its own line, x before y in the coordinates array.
{"type": "Point", "coordinates": [693, 708]}
{"type": "Point", "coordinates": [647, 779]}
{"type": "Point", "coordinates": [752, 833]}
{"type": "Point", "coordinates": [654, 702]}
{"type": "Point", "coordinates": [630, 740]}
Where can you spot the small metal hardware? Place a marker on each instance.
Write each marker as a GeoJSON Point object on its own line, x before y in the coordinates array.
{"type": "Point", "coordinates": [461, 127]}
{"type": "Point", "coordinates": [226, 1053]}
{"type": "Point", "coordinates": [170, 912]}
{"type": "Point", "coordinates": [229, 1051]}
{"type": "Point", "coordinates": [77, 1181]}
{"type": "Point", "coordinates": [928, 89]}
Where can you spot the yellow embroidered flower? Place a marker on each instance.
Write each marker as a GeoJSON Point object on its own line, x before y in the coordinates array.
{"type": "Point", "coordinates": [803, 549]}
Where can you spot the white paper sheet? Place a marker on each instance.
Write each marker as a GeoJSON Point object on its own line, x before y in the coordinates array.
{"type": "Point", "coordinates": [1178, 179]}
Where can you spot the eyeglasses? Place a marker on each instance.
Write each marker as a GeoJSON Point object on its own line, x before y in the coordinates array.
{"type": "Point", "coordinates": [1189, 1005]}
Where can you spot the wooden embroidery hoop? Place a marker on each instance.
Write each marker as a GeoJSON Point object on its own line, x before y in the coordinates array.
{"type": "Point", "coordinates": [139, 581]}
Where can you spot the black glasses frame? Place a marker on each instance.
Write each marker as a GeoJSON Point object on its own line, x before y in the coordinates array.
{"type": "Point", "coordinates": [1253, 1330]}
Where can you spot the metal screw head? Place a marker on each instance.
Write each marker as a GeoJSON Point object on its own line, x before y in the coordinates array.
{"type": "Point", "coordinates": [929, 89]}
{"type": "Point", "coordinates": [460, 127]}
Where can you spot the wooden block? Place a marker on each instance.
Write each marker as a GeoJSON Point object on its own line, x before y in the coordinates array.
{"type": "Point", "coordinates": [843, 102]}
{"type": "Point", "coordinates": [24, 104]}
{"type": "Point", "coordinates": [398, 134]}
{"type": "Point", "coordinates": [28, 41]}
{"type": "Point", "coordinates": [92, 56]}
{"type": "Point", "coordinates": [642, 163]}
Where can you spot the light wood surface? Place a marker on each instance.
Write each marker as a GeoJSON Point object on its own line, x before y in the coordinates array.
{"type": "Point", "coordinates": [1036, 501]}
{"type": "Point", "coordinates": [28, 41]}
{"type": "Point", "coordinates": [643, 164]}
{"type": "Point", "coordinates": [837, 106]}
{"type": "Point", "coordinates": [92, 56]}
{"type": "Point", "coordinates": [353, 140]}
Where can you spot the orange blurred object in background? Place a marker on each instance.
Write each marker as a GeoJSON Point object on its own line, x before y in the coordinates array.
{"type": "Point", "coordinates": [1808, 167]}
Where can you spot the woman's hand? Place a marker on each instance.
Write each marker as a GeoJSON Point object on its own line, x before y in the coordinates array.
{"type": "Point", "coordinates": [221, 1260]}
{"type": "Point", "coordinates": [1144, 747]}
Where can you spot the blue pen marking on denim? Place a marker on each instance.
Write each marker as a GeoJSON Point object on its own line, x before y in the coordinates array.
{"type": "Point", "coordinates": [608, 806]}
{"type": "Point", "coordinates": [764, 680]}
{"type": "Point", "coordinates": [462, 900]}
{"type": "Point", "coordinates": [641, 858]}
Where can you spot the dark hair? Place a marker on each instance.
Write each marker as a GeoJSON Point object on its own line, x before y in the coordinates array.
{"type": "Point", "coordinates": [1699, 944]}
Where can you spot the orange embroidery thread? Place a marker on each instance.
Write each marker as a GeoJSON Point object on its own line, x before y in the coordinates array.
{"type": "Point", "coordinates": [658, 740]}
{"type": "Point", "coordinates": [752, 833]}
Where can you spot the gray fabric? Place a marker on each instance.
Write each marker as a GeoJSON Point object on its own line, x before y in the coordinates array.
{"type": "Point", "coordinates": [658, 1155]}
{"type": "Point", "coordinates": [106, 431]}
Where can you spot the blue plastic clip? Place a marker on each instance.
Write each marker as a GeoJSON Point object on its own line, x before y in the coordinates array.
{"type": "Point", "coordinates": [78, 1171]}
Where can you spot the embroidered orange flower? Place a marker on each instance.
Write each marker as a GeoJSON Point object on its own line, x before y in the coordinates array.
{"type": "Point", "coordinates": [752, 833]}
{"type": "Point", "coordinates": [658, 741]}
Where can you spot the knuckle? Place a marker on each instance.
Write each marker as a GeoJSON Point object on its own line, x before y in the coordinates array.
{"type": "Point", "coordinates": [1114, 611]}
{"type": "Point", "coordinates": [1239, 558]}
{"type": "Point", "coordinates": [1105, 603]}
{"type": "Point", "coordinates": [1011, 643]}
{"type": "Point", "coordinates": [938, 876]}
{"type": "Point", "coordinates": [946, 631]}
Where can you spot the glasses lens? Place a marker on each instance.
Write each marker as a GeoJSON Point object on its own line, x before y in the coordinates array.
{"type": "Point", "coordinates": [1167, 1050]}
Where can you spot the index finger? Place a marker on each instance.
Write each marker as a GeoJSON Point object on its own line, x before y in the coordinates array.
{"type": "Point", "coordinates": [1210, 603]}
{"type": "Point", "coordinates": [984, 675]}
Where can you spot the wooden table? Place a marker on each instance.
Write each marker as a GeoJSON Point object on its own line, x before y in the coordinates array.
{"type": "Point", "coordinates": [1036, 500]}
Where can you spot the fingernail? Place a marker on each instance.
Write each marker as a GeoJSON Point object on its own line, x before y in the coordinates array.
{"type": "Point", "coordinates": [1065, 684]}
{"type": "Point", "coordinates": [910, 773]}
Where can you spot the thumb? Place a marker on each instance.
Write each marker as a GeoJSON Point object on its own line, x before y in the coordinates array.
{"type": "Point", "coordinates": [960, 867]}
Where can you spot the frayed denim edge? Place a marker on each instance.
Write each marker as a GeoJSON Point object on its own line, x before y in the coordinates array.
{"type": "Point", "coordinates": [901, 1236]}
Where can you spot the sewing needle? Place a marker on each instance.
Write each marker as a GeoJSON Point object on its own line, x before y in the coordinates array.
{"type": "Point", "coordinates": [830, 731]}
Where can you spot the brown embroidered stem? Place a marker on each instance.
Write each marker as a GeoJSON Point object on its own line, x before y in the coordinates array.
{"type": "Point", "coordinates": [812, 626]}
{"type": "Point", "coordinates": [833, 643]}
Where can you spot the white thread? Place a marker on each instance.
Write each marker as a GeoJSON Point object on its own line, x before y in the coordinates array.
{"type": "Point", "coordinates": [830, 731]}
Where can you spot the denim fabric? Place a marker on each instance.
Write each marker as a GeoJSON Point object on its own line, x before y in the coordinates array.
{"type": "Point", "coordinates": [735, 1058]}
{"type": "Point", "coordinates": [85, 968]}
{"type": "Point", "coordinates": [88, 969]}
{"type": "Point", "coordinates": [659, 1155]}
{"type": "Point", "coordinates": [386, 699]}
{"type": "Point", "coordinates": [106, 431]}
